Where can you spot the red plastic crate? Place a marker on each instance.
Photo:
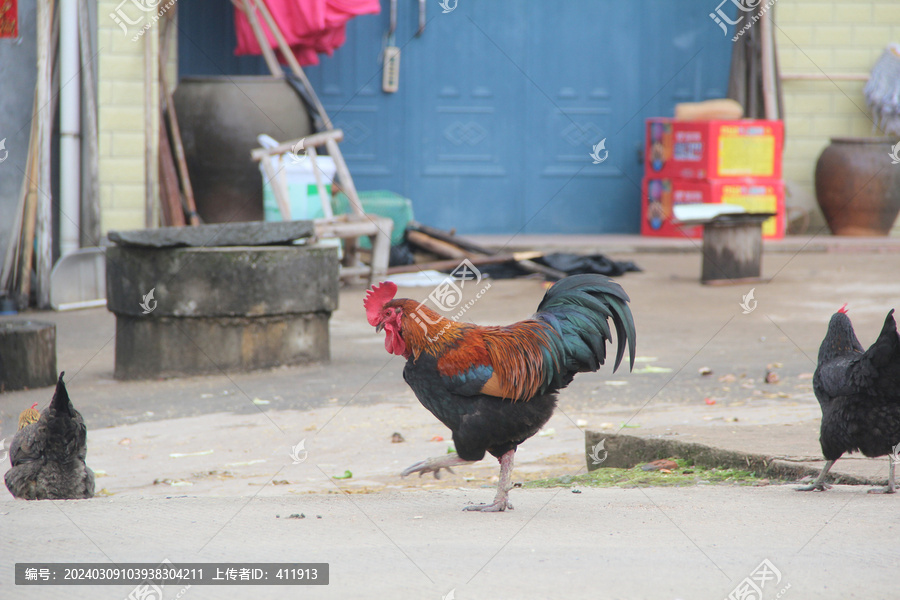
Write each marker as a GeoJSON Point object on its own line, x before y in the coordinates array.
{"type": "Point", "coordinates": [660, 194]}
{"type": "Point", "coordinates": [713, 149]}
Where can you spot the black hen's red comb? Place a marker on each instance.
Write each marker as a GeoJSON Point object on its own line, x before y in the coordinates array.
{"type": "Point", "coordinates": [843, 309]}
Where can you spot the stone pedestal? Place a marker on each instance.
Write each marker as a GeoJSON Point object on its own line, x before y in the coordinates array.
{"type": "Point", "coordinates": [27, 354]}
{"type": "Point", "coordinates": [195, 310]}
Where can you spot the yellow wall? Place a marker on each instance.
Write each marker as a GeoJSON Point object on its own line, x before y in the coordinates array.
{"type": "Point", "coordinates": [837, 36]}
{"type": "Point", "coordinates": [121, 117]}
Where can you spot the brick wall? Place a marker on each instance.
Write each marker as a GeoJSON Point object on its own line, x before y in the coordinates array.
{"type": "Point", "coordinates": [121, 116]}
{"type": "Point", "coordinates": [837, 36]}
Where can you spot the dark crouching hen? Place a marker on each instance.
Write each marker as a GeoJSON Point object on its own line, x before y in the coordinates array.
{"type": "Point", "coordinates": [859, 392]}
{"type": "Point", "coordinates": [47, 453]}
{"type": "Point", "coordinates": [495, 387]}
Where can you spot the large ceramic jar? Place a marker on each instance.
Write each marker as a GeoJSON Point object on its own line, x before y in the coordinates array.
{"type": "Point", "coordinates": [858, 186]}
{"type": "Point", "coordinates": [220, 118]}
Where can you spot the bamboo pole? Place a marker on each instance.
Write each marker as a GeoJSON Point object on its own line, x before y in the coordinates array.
{"type": "Point", "coordinates": [177, 145]}
{"type": "Point", "coordinates": [267, 52]}
{"type": "Point", "coordinates": [149, 132]}
{"type": "Point", "coordinates": [44, 199]}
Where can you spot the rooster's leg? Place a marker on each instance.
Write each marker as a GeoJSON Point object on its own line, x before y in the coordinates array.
{"type": "Point", "coordinates": [819, 484]}
{"type": "Point", "coordinates": [434, 465]}
{"type": "Point", "coordinates": [501, 500]}
{"type": "Point", "coordinates": [891, 486]}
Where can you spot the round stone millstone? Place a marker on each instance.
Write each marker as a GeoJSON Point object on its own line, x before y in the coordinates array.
{"type": "Point", "coordinates": [219, 309]}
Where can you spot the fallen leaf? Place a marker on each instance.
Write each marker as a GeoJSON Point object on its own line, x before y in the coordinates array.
{"type": "Point", "coordinates": [396, 438]}
{"type": "Point", "coordinates": [710, 401]}
{"type": "Point", "coordinates": [125, 442]}
{"type": "Point", "coordinates": [182, 455]}
{"type": "Point", "coordinates": [653, 369]}
{"type": "Point", "coordinates": [437, 438]}
{"type": "Point", "coordinates": [772, 377]}
{"type": "Point", "coordinates": [260, 401]}
{"type": "Point", "coordinates": [346, 475]}
{"type": "Point", "coordinates": [245, 463]}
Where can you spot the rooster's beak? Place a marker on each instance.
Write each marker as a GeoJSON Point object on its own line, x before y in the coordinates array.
{"type": "Point", "coordinates": [379, 327]}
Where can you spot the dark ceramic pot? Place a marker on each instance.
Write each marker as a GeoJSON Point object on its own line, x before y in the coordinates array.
{"type": "Point", "coordinates": [858, 187]}
{"type": "Point", "coordinates": [220, 118]}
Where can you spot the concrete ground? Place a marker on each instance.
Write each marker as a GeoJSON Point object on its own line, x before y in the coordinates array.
{"type": "Point", "coordinates": [210, 468]}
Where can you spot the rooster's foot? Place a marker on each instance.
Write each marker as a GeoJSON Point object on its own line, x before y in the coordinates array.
{"type": "Point", "coordinates": [434, 465]}
{"type": "Point", "coordinates": [497, 506]}
{"type": "Point", "coordinates": [884, 490]}
{"type": "Point", "coordinates": [819, 487]}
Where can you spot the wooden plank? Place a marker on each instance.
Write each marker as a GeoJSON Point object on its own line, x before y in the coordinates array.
{"type": "Point", "coordinates": [169, 194]}
{"type": "Point", "coordinates": [310, 141]}
{"type": "Point", "coordinates": [446, 236]}
{"type": "Point", "coordinates": [436, 246]}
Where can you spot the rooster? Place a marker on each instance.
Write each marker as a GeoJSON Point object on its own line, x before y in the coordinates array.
{"type": "Point", "coordinates": [47, 453]}
{"type": "Point", "coordinates": [495, 387]}
{"type": "Point", "coordinates": [859, 392]}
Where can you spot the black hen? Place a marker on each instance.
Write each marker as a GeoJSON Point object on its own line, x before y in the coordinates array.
{"type": "Point", "coordinates": [47, 455]}
{"type": "Point", "coordinates": [859, 392]}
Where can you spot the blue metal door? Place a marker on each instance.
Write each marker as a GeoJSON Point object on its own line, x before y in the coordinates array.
{"type": "Point", "coordinates": [501, 103]}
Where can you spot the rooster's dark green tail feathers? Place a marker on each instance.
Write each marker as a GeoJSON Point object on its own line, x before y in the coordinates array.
{"type": "Point", "coordinates": [578, 308]}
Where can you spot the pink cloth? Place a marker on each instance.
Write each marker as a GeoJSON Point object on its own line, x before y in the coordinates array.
{"type": "Point", "coordinates": [310, 27]}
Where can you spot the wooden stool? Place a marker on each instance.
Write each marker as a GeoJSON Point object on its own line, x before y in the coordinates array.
{"type": "Point", "coordinates": [732, 248]}
{"type": "Point", "coordinates": [27, 354]}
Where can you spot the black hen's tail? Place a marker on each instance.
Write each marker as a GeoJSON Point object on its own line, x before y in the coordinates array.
{"type": "Point", "coordinates": [66, 433]}
{"type": "Point", "coordinates": [579, 308]}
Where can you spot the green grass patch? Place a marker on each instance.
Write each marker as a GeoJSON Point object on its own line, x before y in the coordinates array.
{"type": "Point", "coordinates": [684, 475]}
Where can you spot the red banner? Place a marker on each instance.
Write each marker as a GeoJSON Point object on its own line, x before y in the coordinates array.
{"type": "Point", "coordinates": [9, 19]}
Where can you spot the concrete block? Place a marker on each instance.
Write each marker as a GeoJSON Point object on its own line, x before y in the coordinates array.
{"type": "Point", "coordinates": [236, 281]}
{"type": "Point", "coordinates": [219, 308]}
{"type": "Point", "coordinates": [171, 346]}
{"type": "Point", "coordinates": [219, 234]}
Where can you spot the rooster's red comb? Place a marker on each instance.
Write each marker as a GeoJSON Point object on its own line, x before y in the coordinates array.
{"type": "Point", "coordinates": [377, 296]}
{"type": "Point", "coordinates": [843, 309]}
{"type": "Point", "coordinates": [34, 406]}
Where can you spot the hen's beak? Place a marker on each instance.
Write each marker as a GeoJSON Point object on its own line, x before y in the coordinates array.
{"type": "Point", "coordinates": [379, 327]}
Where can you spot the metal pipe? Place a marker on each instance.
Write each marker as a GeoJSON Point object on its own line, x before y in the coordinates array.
{"type": "Point", "coordinates": [69, 129]}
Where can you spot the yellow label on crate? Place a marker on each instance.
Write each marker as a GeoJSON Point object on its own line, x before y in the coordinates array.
{"type": "Point", "coordinates": [754, 203]}
{"type": "Point", "coordinates": [746, 155]}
